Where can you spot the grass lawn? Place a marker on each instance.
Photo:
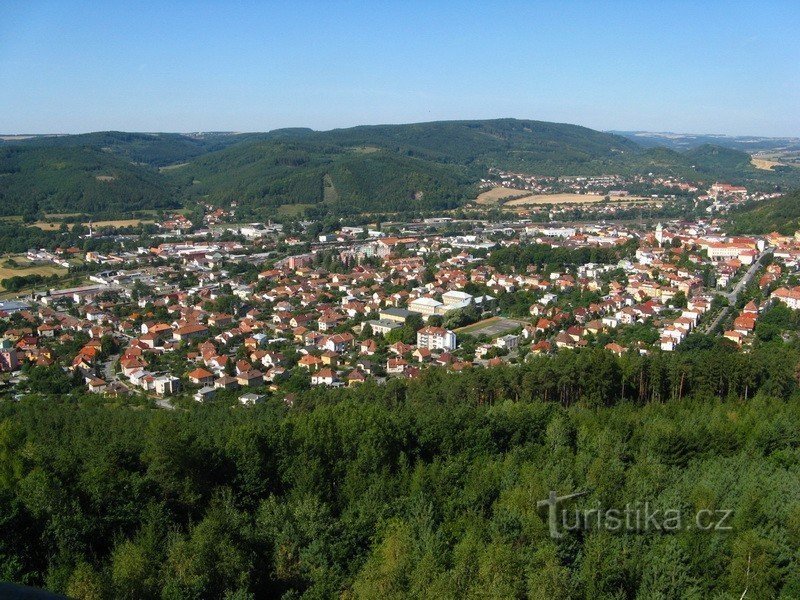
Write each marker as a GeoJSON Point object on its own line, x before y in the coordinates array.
{"type": "Point", "coordinates": [292, 210]}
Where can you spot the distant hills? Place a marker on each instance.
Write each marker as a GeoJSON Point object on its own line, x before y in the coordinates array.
{"type": "Point", "coordinates": [685, 141]}
{"type": "Point", "coordinates": [387, 168]}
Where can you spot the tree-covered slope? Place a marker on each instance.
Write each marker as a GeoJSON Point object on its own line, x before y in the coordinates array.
{"type": "Point", "coordinates": [270, 174]}
{"type": "Point", "coordinates": [485, 142]}
{"type": "Point", "coordinates": [153, 149]}
{"type": "Point", "coordinates": [778, 214]}
{"type": "Point", "coordinates": [83, 179]}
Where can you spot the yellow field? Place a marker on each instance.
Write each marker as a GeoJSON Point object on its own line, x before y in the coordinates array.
{"type": "Point", "coordinates": [119, 223]}
{"type": "Point", "coordinates": [495, 195]}
{"type": "Point", "coordinates": [764, 164]}
{"type": "Point", "coordinates": [569, 199]}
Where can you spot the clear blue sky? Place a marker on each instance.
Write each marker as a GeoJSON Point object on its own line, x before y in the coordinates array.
{"type": "Point", "coordinates": [703, 67]}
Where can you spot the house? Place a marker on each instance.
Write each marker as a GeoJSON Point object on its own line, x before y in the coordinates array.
{"type": "Point", "coordinates": [9, 360]}
{"type": "Point", "coordinates": [251, 378]}
{"type": "Point", "coordinates": [368, 347]}
{"type": "Point", "coordinates": [509, 342]}
{"type": "Point", "coordinates": [790, 298]}
{"type": "Point", "coordinates": [734, 336]}
{"type": "Point", "coordinates": [668, 343]}
{"type": "Point", "coordinates": [310, 362]}
{"type": "Point", "coordinates": [355, 377]}
{"type": "Point", "coordinates": [338, 342]}
{"type": "Point", "coordinates": [96, 385]}
{"type": "Point", "coordinates": [421, 354]}
{"type": "Point", "coordinates": [436, 338]}
{"type": "Point", "coordinates": [744, 324]}
{"type": "Point", "coordinates": [324, 377]}
{"type": "Point", "coordinates": [226, 382]}
{"type": "Point", "coordinates": [542, 347]}
{"type": "Point", "coordinates": [166, 385]}
{"type": "Point", "coordinates": [564, 340]}
{"type": "Point", "coordinates": [188, 332]}
{"type": "Point", "coordinates": [220, 320]}
{"type": "Point", "coordinates": [204, 393]}
{"type": "Point", "coordinates": [396, 366]}
{"type": "Point", "coordinates": [329, 358]}
{"type": "Point", "coordinates": [751, 308]}
{"type": "Point", "coordinates": [200, 376]}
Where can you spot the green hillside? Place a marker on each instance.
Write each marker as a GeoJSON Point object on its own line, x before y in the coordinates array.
{"type": "Point", "coordinates": [422, 166]}
{"type": "Point", "coordinates": [154, 149]}
{"type": "Point", "coordinates": [779, 214]}
{"type": "Point", "coordinates": [61, 179]}
{"type": "Point", "coordinates": [271, 174]}
{"type": "Point", "coordinates": [394, 167]}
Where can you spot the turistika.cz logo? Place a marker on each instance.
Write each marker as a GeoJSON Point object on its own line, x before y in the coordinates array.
{"type": "Point", "coordinates": [636, 517]}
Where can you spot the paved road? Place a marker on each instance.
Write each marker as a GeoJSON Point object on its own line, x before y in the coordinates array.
{"type": "Point", "coordinates": [108, 367]}
{"type": "Point", "coordinates": [733, 295]}
{"type": "Point", "coordinates": [109, 376]}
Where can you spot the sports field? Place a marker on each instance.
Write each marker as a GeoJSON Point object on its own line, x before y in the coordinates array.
{"type": "Point", "coordinates": [492, 327]}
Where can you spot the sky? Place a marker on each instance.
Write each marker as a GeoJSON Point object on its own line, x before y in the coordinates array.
{"type": "Point", "coordinates": [729, 67]}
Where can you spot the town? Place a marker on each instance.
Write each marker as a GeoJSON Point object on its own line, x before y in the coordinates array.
{"type": "Point", "coordinates": [221, 309]}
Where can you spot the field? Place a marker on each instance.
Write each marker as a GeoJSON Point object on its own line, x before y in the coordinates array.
{"type": "Point", "coordinates": [292, 210]}
{"type": "Point", "coordinates": [764, 164]}
{"type": "Point", "coordinates": [27, 268]}
{"type": "Point", "coordinates": [492, 327]}
{"type": "Point", "coordinates": [45, 226]}
{"type": "Point", "coordinates": [570, 199]}
{"type": "Point", "coordinates": [495, 195]}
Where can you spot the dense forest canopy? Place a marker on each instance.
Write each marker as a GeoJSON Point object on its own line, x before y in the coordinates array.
{"type": "Point", "coordinates": [778, 214]}
{"type": "Point", "coordinates": [423, 489]}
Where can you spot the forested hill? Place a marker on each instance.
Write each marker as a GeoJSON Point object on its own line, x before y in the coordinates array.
{"type": "Point", "coordinates": [386, 167]}
{"type": "Point", "coordinates": [418, 489]}
{"type": "Point", "coordinates": [778, 214]}
{"type": "Point", "coordinates": [77, 179]}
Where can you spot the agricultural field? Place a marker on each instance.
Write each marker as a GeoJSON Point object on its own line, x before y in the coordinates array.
{"type": "Point", "coordinates": [765, 164]}
{"type": "Point", "coordinates": [47, 226]}
{"type": "Point", "coordinates": [25, 267]}
{"type": "Point", "coordinates": [491, 327]}
{"type": "Point", "coordinates": [498, 194]}
{"type": "Point", "coordinates": [570, 199]}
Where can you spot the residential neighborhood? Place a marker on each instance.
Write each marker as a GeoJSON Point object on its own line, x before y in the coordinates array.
{"type": "Point", "coordinates": [224, 309]}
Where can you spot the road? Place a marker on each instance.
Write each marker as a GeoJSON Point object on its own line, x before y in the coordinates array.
{"type": "Point", "coordinates": [733, 295]}
{"type": "Point", "coordinates": [109, 375]}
